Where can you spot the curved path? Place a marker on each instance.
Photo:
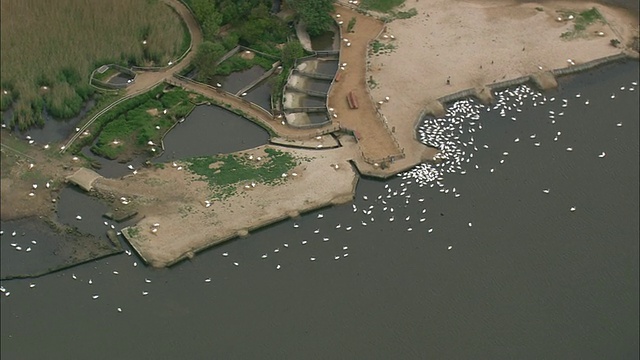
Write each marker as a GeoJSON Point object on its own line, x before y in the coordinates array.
{"type": "Point", "coordinates": [146, 80]}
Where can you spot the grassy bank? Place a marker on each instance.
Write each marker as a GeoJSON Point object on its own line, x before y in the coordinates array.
{"type": "Point", "coordinates": [226, 172]}
{"type": "Point", "coordinates": [48, 49]}
{"type": "Point", "coordinates": [130, 126]}
{"type": "Point", "coordinates": [380, 5]}
{"type": "Point", "coordinates": [581, 20]}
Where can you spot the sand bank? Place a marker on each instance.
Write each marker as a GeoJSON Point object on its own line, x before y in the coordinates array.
{"type": "Point", "coordinates": [175, 200]}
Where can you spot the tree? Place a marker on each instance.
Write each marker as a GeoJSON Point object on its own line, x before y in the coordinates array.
{"type": "Point", "coordinates": [208, 17]}
{"type": "Point", "coordinates": [207, 55]}
{"type": "Point", "coordinates": [316, 14]}
{"type": "Point", "coordinates": [290, 52]}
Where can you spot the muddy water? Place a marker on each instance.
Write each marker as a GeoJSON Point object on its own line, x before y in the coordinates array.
{"type": "Point", "coordinates": [324, 41]}
{"type": "Point", "coordinates": [529, 279]}
{"type": "Point", "coordinates": [261, 95]}
{"type": "Point", "coordinates": [210, 130]}
{"type": "Point", "coordinates": [238, 80]}
{"type": "Point", "coordinates": [54, 130]}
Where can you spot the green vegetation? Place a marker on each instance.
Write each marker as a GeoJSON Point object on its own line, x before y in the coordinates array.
{"type": "Point", "coordinates": [105, 75]}
{"type": "Point", "coordinates": [205, 59]}
{"type": "Point", "coordinates": [225, 172]}
{"type": "Point", "coordinates": [238, 63]}
{"type": "Point", "coordinates": [405, 14]}
{"type": "Point", "coordinates": [139, 125]}
{"type": "Point", "coordinates": [130, 125]}
{"type": "Point", "coordinates": [378, 47]}
{"type": "Point", "coordinates": [247, 23]}
{"type": "Point", "coordinates": [351, 24]}
{"type": "Point", "coordinates": [392, 15]}
{"type": "Point", "coordinates": [133, 231]}
{"type": "Point", "coordinates": [316, 14]}
{"type": "Point", "coordinates": [59, 46]}
{"type": "Point", "coordinates": [380, 5]}
{"type": "Point", "coordinates": [581, 21]}
{"type": "Point", "coordinates": [208, 16]}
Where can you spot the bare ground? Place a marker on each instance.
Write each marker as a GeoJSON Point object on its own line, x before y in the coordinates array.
{"type": "Point", "coordinates": [175, 199]}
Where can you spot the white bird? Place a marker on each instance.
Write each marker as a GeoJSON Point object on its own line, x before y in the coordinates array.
{"type": "Point", "coordinates": [130, 167]}
{"type": "Point", "coordinates": [470, 224]}
{"type": "Point", "coordinates": [569, 149]}
{"type": "Point", "coordinates": [145, 293]}
{"type": "Point", "coordinates": [207, 280]}
{"type": "Point", "coordinates": [95, 297]}
{"type": "Point", "coordinates": [320, 216]}
{"type": "Point", "coordinates": [278, 267]}
{"type": "Point", "coordinates": [119, 309]}
{"type": "Point", "coordinates": [573, 208]}
{"type": "Point", "coordinates": [225, 254]}
{"type": "Point", "coordinates": [147, 280]}
{"type": "Point", "coordinates": [546, 191]}
{"type": "Point", "coordinates": [602, 155]}
{"type": "Point", "coordinates": [450, 247]}
{"type": "Point", "coordinates": [78, 217]}
{"type": "Point", "coordinates": [34, 186]}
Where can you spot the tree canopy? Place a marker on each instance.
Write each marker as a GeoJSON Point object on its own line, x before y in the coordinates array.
{"type": "Point", "coordinates": [316, 14]}
{"type": "Point", "coordinates": [206, 57]}
{"type": "Point", "coordinates": [208, 16]}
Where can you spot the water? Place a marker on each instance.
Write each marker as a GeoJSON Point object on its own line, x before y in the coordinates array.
{"type": "Point", "coordinates": [528, 280]}
{"type": "Point", "coordinates": [324, 41]}
{"type": "Point", "coordinates": [193, 137]}
{"type": "Point", "coordinates": [54, 130]}
{"type": "Point", "coordinates": [211, 130]}
{"type": "Point", "coordinates": [261, 95]}
{"type": "Point", "coordinates": [238, 80]}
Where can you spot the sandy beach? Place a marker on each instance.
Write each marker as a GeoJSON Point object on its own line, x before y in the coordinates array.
{"type": "Point", "coordinates": [474, 44]}
{"type": "Point", "coordinates": [448, 47]}
{"type": "Point", "coordinates": [175, 199]}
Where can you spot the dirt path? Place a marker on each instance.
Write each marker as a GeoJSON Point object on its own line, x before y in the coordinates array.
{"type": "Point", "coordinates": [375, 141]}
{"type": "Point", "coordinates": [148, 79]}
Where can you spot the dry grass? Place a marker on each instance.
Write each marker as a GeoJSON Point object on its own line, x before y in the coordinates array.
{"type": "Point", "coordinates": [41, 38]}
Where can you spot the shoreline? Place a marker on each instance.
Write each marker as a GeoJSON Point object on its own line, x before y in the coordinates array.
{"type": "Point", "coordinates": [392, 122]}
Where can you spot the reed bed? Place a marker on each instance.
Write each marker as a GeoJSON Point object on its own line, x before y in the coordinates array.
{"type": "Point", "coordinates": [58, 44]}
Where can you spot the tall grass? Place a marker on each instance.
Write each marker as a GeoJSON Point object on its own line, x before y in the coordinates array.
{"type": "Point", "coordinates": [58, 44]}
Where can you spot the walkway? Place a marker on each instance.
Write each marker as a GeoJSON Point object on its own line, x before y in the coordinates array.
{"type": "Point", "coordinates": [252, 111]}
{"type": "Point", "coordinates": [374, 139]}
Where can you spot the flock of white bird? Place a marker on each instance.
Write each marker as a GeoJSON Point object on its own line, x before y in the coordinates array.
{"type": "Point", "coordinates": [453, 134]}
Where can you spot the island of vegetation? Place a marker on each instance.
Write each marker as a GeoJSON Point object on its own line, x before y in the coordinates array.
{"type": "Point", "coordinates": [398, 60]}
